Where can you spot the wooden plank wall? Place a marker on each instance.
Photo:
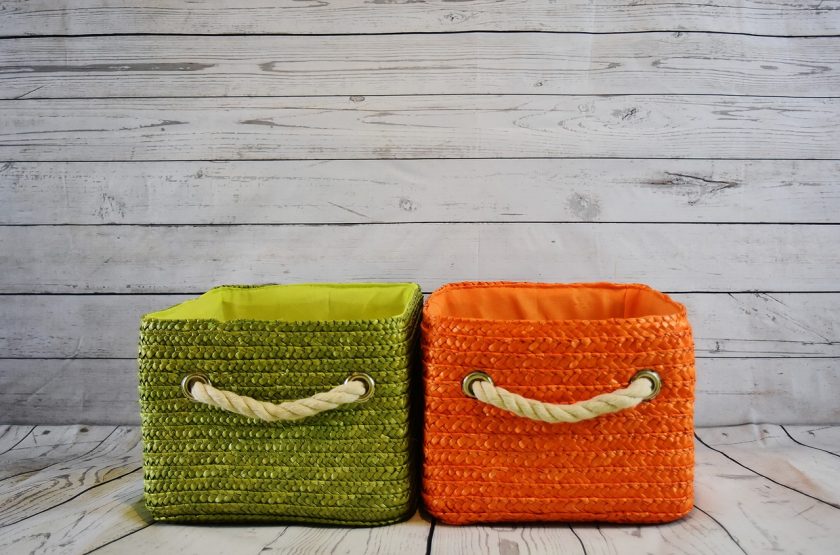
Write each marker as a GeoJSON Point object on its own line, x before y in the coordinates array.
{"type": "Point", "coordinates": [150, 151]}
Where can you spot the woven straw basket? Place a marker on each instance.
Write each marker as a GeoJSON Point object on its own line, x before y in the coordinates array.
{"type": "Point", "coordinates": [551, 402]}
{"type": "Point", "coordinates": [281, 403]}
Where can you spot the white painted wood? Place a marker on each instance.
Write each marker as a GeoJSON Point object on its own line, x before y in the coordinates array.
{"type": "Point", "coordinates": [88, 391]}
{"type": "Point", "coordinates": [695, 534]}
{"type": "Point", "coordinates": [472, 63]}
{"type": "Point", "coordinates": [185, 258]}
{"type": "Point", "coordinates": [505, 539]}
{"type": "Point", "coordinates": [668, 126]}
{"type": "Point", "coordinates": [11, 436]}
{"type": "Point", "coordinates": [48, 445]}
{"type": "Point", "coordinates": [821, 468]}
{"type": "Point", "coordinates": [783, 17]}
{"type": "Point", "coordinates": [115, 457]}
{"type": "Point", "coordinates": [826, 438]}
{"type": "Point", "coordinates": [760, 514]}
{"type": "Point", "coordinates": [729, 391]}
{"type": "Point", "coordinates": [408, 538]}
{"type": "Point", "coordinates": [360, 191]}
{"type": "Point", "coordinates": [725, 325]}
{"type": "Point", "coordinates": [791, 390]}
{"type": "Point", "coordinates": [94, 518]}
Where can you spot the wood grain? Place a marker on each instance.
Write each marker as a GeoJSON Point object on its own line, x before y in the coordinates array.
{"type": "Point", "coordinates": [87, 391]}
{"type": "Point", "coordinates": [48, 445]}
{"type": "Point", "coordinates": [725, 325]}
{"type": "Point", "coordinates": [364, 191]}
{"type": "Point", "coordinates": [12, 436]}
{"type": "Point", "coordinates": [783, 17]}
{"type": "Point", "coordinates": [776, 445]}
{"type": "Point", "coordinates": [455, 126]}
{"type": "Point", "coordinates": [681, 257]}
{"type": "Point", "coordinates": [759, 512]}
{"type": "Point", "coordinates": [825, 438]}
{"type": "Point", "coordinates": [408, 538]}
{"type": "Point", "coordinates": [115, 457]}
{"type": "Point", "coordinates": [473, 63]}
{"type": "Point", "coordinates": [93, 518]}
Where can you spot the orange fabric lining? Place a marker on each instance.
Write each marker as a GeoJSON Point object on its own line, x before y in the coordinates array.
{"type": "Point", "coordinates": [534, 301]}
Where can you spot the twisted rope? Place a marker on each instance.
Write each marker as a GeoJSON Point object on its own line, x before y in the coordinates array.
{"type": "Point", "coordinates": [343, 394]}
{"type": "Point", "coordinates": [606, 403]}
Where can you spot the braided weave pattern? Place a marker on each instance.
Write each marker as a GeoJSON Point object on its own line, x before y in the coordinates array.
{"type": "Point", "coordinates": [351, 465]}
{"type": "Point", "coordinates": [599, 405]}
{"type": "Point", "coordinates": [484, 464]}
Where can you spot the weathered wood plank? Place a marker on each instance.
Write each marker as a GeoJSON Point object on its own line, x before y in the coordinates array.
{"type": "Point", "coordinates": [729, 391]}
{"type": "Point", "coordinates": [407, 538]}
{"type": "Point", "coordinates": [96, 517]}
{"type": "Point", "coordinates": [725, 325]}
{"type": "Point", "coordinates": [785, 17]}
{"type": "Point", "coordinates": [361, 191]}
{"type": "Point", "coordinates": [516, 126]}
{"type": "Point", "coordinates": [826, 438]}
{"type": "Point", "coordinates": [820, 468]}
{"type": "Point", "coordinates": [49, 445]}
{"type": "Point", "coordinates": [761, 515]}
{"type": "Point", "coordinates": [498, 63]}
{"type": "Point", "coordinates": [117, 456]}
{"type": "Point", "coordinates": [679, 257]}
{"type": "Point", "coordinates": [93, 391]}
{"type": "Point", "coordinates": [12, 436]}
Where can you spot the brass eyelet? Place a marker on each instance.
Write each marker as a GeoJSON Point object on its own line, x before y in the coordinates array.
{"type": "Point", "coordinates": [470, 379]}
{"type": "Point", "coordinates": [367, 381]}
{"type": "Point", "coordinates": [654, 379]}
{"type": "Point", "coordinates": [190, 380]}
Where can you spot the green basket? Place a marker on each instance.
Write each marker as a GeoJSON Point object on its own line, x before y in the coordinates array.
{"type": "Point", "coordinates": [352, 465]}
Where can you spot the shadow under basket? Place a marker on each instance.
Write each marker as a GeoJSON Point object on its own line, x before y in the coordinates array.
{"type": "Point", "coordinates": [284, 403]}
{"type": "Point", "coordinates": [557, 402]}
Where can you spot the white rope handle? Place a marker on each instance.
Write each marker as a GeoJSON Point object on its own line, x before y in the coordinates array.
{"type": "Point", "coordinates": [644, 386]}
{"type": "Point", "coordinates": [357, 387]}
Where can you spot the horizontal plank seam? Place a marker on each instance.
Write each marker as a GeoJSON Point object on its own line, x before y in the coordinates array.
{"type": "Point", "coordinates": [400, 33]}
{"type": "Point", "coordinates": [74, 497]}
{"type": "Point", "coordinates": [400, 95]}
{"type": "Point", "coordinates": [724, 528]}
{"type": "Point", "coordinates": [805, 444]}
{"type": "Point", "coordinates": [742, 465]}
{"type": "Point", "coordinates": [395, 159]}
{"type": "Point", "coordinates": [19, 441]}
{"type": "Point", "coordinates": [63, 461]}
{"type": "Point", "coordinates": [145, 525]}
{"type": "Point", "coordinates": [425, 222]}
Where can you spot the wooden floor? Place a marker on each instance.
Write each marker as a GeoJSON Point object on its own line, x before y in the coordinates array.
{"type": "Point", "coordinates": [759, 489]}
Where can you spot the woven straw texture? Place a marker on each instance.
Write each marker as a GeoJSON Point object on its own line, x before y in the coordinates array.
{"type": "Point", "coordinates": [349, 466]}
{"type": "Point", "coordinates": [483, 464]}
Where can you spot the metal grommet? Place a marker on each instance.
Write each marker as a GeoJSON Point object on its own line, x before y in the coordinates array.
{"type": "Point", "coordinates": [470, 379]}
{"type": "Point", "coordinates": [190, 380]}
{"type": "Point", "coordinates": [368, 382]}
{"type": "Point", "coordinates": [653, 378]}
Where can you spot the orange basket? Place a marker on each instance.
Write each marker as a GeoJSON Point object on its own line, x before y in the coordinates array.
{"type": "Point", "coordinates": [557, 402]}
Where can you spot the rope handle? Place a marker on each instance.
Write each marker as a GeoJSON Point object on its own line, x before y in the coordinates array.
{"type": "Point", "coordinates": [644, 386]}
{"type": "Point", "coordinates": [356, 388]}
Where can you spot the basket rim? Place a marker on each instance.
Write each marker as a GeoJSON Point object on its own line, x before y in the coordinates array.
{"type": "Point", "coordinates": [402, 320]}
{"type": "Point", "coordinates": [680, 312]}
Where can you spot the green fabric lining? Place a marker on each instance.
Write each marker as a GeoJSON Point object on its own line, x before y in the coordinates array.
{"type": "Point", "coordinates": [290, 303]}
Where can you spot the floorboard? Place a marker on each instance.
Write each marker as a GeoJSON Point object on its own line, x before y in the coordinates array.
{"type": "Point", "coordinates": [759, 488]}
